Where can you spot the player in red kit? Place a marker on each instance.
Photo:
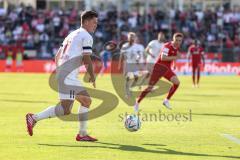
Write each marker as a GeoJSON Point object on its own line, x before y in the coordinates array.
{"type": "Point", "coordinates": [197, 53]}
{"type": "Point", "coordinates": [162, 68]}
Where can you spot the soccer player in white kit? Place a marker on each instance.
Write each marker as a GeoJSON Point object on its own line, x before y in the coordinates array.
{"type": "Point", "coordinates": [153, 50]}
{"type": "Point", "coordinates": [132, 53]}
{"type": "Point", "coordinates": [76, 49]}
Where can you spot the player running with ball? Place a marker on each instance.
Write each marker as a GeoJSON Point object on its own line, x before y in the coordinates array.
{"type": "Point", "coordinates": [75, 50]}
{"type": "Point", "coordinates": [162, 68]}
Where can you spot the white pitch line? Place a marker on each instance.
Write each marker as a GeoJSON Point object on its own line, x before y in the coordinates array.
{"type": "Point", "coordinates": [231, 138]}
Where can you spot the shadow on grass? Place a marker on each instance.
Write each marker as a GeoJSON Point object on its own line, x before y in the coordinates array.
{"type": "Point", "coordinates": [203, 95]}
{"type": "Point", "coordinates": [177, 99]}
{"type": "Point", "coordinates": [23, 101]}
{"type": "Point", "coordinates": [131, 148]}
{"type": "Point", "coordinates": [214, 114]}
{"type": "Point", "coordinates": [150, 144]}
{"type": "Point", "coordinates": [185, 100]}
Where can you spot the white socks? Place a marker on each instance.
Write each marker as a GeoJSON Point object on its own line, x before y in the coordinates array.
{"type": "Point", "coordinates": [83, 117]}
{"type": "Point", "coordinates": [50, 112]}
{"type": "Point", "coordinates": [127, 88]}
{"type": "Point", "coordinates": [54, 111]}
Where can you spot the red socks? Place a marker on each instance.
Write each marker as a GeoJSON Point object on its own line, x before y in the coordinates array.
{"type": "Point", "coordinates": [172, 91]}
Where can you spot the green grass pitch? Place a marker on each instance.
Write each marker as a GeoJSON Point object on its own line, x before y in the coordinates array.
{"type": "Point", "coordinates": [215, 110]}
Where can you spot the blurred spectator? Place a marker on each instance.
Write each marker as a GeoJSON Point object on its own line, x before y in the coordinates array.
{"type": "Point", "coordinates": [43, 30]}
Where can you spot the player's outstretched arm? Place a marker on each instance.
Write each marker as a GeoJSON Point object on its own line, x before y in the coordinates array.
{"type": "Point", "coordinates": [203, 59]}
{"type": "Point", "coordinates": [57, 56]}
{"type": "Point", "coordinates": [168, 58]}
{"type": "Point", "coordinates": [147, 51]}
{"type": "Point", "coordinates": [188, 55]}
{"type": "Point", "coordinates": [120, 61]}
{"type": "Point", "coordinates": [178, 55]}
{"type": "Point", "coordinates": [88, 64]}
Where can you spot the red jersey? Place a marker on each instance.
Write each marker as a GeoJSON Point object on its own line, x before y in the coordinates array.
{"type": "Point", "coordinates": [196, 53]}
{"type": "Point", "coordinates": [168, 50]}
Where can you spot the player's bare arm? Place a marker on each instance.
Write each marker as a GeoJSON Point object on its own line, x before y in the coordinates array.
{"type": "Point", "coordinates": [174, 64]}
{"type": "Point", "coordinates": [138, 58]}
{"type": "Point", "coordinates": [147, 50]}
{"type": "Point", "coordinates": [203, 59]}
{"type": "Point", "coordinates": [169, 58]}
{"type": "Point", "coordinates": [188, 55]}
{"type": "Point", "coordinates": [88, 64]}
{"type": "Point", "coordinates": [145, 56]}
{"type": "Point", "coordinates": [120, 61]}
{"type": "Point", "coordinates": [178, 55]}
{"type": "Point", "coordinates": [57, 56]}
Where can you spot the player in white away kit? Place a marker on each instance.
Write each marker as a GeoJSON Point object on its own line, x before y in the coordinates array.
{"type": "Point", "coordinates": [133, 55]}
{"type": "Point", "coordinates": [153, 51]}
{"type": "Point", "coordinates": [76, 48]}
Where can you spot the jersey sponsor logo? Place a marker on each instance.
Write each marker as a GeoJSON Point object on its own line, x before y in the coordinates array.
{"type": "Point", "coordinates": [165, 51]}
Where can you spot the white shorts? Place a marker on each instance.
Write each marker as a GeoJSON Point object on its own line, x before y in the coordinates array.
{"type": "Point", "coordinates": [69, 87]}
{"type": "Point", "coordinates": [130, 70]}
{"type": "Point", "coordinates": [134, 69]}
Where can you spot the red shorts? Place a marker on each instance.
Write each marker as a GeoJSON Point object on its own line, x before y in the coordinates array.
{"type": "Point", "coordinates": [160, 71]}
{"type": "Point", "coordinates": [196, 65]}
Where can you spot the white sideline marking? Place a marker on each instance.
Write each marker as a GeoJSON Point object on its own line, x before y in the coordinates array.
{"type": "Point", "coordinates": [232, 138]}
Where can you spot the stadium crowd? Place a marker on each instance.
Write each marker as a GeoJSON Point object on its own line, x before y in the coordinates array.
{"type": "Point", "coordinates": [44, 30]}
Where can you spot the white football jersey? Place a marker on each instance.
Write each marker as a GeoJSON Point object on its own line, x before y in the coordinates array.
{"type": "Point", "coordinates": [75, 44]}
{"type": "Point", "coordinates": [140, 52]}
{"type": "Point", "coordinates": [154, 48]}
{"type": "Point", "coordinates": [133, 53]}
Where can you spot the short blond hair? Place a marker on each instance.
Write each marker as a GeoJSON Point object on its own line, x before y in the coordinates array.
{"type": "Point", "coordinates": [178, 34]}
